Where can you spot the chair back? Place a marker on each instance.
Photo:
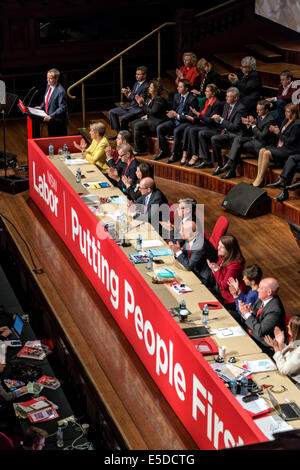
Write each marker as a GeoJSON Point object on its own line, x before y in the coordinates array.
{"type": "Point", "coordinates": [5, 442]}
{"type": "Point", "coordinates": [220, 228]}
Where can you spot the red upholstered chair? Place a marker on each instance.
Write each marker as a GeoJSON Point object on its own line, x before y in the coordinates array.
{"type": "Point", "coordinates": [173, 208]}
{"type": "Point", "coordinates": [220, 228]}
{"type": "Point", "coordinates": [5, 442]}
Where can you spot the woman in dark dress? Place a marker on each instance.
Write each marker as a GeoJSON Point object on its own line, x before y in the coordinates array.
{"type": "Point", "coordinates": [288, 143]}
{"type": "Point", "coordinates": [132, 190]}
{"type": "Point", "coordinates": [154, 112]}
{"type": "Point", "coordinates": [210, 106]}
{"type": "Point", "coordinates": [206, 75]}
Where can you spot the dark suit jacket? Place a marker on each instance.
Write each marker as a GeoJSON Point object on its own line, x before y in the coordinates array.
{"type": "Point", "coordinates": [211, 77]}
{"type": "Point", "coordinates": [190, 100]}
{"type": "Point", "coordinates": [152, 214]}
{"type": "Point", "coordinates": [250, 89]}
{"type": "Point", "coordinates": [272, 315]}
{"type": "Point", "coordinates": [206, 119]}
{"type": "Point", "coordinates": [142, 91]}
{"type": "Point", "coordinates": [290, 137]}
{"type": "Point", "coordinates": [233, 124]}
{"type": "Point", "coordinates": [57, 105]}
{"type": "Point", "coordinates": [201, 250]}
{"type": "Point", "coordinates": [261, 130]}
{"type": "Point", "coordinates": [130, 172]}
{"type": "Point", "coordinates": [155, 110]}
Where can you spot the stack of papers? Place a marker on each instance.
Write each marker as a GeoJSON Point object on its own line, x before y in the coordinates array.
{"type": "Point", "coordinates": [228, 371]}
{"type": "Point", "coordinates": [229, 332]}
{"type": "Point", "coordinates": [272, 424]}
{"type": "Point", "coordinates": [255, 407]}
{"type": "Point", "coordinates": [262, 365]}
{"type": "Point", "coordinates": [37, 410]}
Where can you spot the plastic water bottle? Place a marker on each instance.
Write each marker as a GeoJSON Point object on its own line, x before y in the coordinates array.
{"type": "Point", "coordinates": [68, 155]}
{"type": "Point", "coordinates": [51, 151]}
{"type": "Point", "coordinates": [205, 313]}
{"type": "Point", "coordinates": [150, 262]}
{"type": "Point", "coordinates": [78, 175]}
{"type": "Point", "coordinates": [233, 386]}
{"type": "Point", "coordinates": [65, 149]}
{"type": "Point", "coordinates": [244, 385]}
{"type": "Point", "coordinates": [59, 437]}
{"type": "Point", "coordinates": [139, 242]}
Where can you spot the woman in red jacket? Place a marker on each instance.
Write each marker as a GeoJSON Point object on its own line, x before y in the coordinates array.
{"type": "Point", "coordinates": [231, 264]}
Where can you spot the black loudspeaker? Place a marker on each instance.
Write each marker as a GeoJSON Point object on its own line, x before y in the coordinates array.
{"type": "Point", "coordinates": [248, 201]}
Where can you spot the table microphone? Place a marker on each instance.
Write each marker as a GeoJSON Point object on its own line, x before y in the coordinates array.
{"type": "Point", "coordinates": [33, 95]}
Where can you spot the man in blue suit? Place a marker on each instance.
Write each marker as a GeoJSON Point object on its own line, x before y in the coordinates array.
{"type": "Point", "coordinates": [55, 105]}
{"type": "Point", "coordinates": [131, 111]}
{"type": "Point", "coordinates": [177, 122]}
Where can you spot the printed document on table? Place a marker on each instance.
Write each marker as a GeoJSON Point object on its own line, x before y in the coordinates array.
{"type": "Point", "coordinates": [255, 406]}
{"type": "Point", "coordinates": [76, 161]}
{"type": "Point", "coordinates": [229, 332]}
{"type": "Point", "coordinates": [262, 365]}
{"type": "Point", "coordinates": [269, 425]}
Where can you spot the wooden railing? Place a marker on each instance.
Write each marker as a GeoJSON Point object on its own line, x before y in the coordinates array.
{"type": "Point", "coordinates": [120, 57]}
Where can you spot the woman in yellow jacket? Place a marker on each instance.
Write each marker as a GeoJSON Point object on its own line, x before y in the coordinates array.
{"type": "Point", "coordinates": [95, 153]}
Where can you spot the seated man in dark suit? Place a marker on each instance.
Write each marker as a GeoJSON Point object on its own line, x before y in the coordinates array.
{"type": "Point", "coordinates": [291, 166]}
{"type": "Point", "coordinates": [258, 136]}
{"type": "Point", "coordinates": [185, 210]}
{"type": "Point", "coordinates": [132, 111]}
{"type": "Point", "coordinates": [249, 84]}
{"type": "Point", "coordinates": [231, 126]}
{"type": "Point", "coordinates": [177, 122]}
{"type": "Point", "coordinates": [128, 169]}
{"type": "Point", "coordinates": [152, 205]}
{"type": "Point", "coordinates": [286, 90]}
{"type": "Point", "coordinates": [267, 312]}
{"type": "Point", "coordinates": [195, 251]}
{"type": "Point", "coordinates": [113, 159]}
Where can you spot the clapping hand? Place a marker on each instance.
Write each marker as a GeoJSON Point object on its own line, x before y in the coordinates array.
{"type": "Point", "coordinates": [244, 308]}
{"type": "Point", "coordinates": [213, 266]}
{"type": "Point", "coordinates": [272, 342]}
{"type": "Point", "coordinates": [140, 100]}
{"type": "Point", "coordinates": [108, 152]}
{"type": "Point", "coordinates": [232, 77]}
{"type": "Point", "coordinates": [175, 247]}
{"type": "Point", "coordinates": [274, 129]}
{"type": "Point", "coordinates": [233, 285]}
{"type": "Point", "coordinates": [127, 181]}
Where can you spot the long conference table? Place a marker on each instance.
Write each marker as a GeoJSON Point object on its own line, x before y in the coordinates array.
{"type": "Point", "coordinates": [206, 407]}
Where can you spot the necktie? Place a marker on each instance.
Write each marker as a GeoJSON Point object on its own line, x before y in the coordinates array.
{"type": "Point", "coordinates": [146, 204]}
{"type": "Point", "coordinates": [189, 251]}
{"type": "Point", "coordinates": [47, 99]}
{"type": "Point", "coordinates": [259, 311]}
{"type": "Point", "coordinates": [227, 117]}
{"type": "Point", "coordinates": [180, 108]}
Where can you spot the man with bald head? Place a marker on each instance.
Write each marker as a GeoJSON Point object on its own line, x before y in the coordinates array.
{"type": "Point", "coordinates": [267, 312]}
{"type": "Point", "coordinates": [194, 252]}
{"type": "Point", "coordinates": [152, 205]}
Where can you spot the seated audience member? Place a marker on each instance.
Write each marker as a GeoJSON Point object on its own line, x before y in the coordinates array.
{"type": "Point", "coordinates": [287, 357]}
{"type": "Point", "coordinates": [154, 109]}
{"type": "Point", "coordinates": [194, 252]}
{"type": "Point", "coordinates": [95, 153]}
{"type": "Point", "coordinates": [230, 126]}
{"type": "Point", "coordinates": [152, 205]}
{"type": "Point", "coordinates": [256, 136]}
{"type": "Point", "coordinates": [133, 190]}
{"type": "Point", "coordinates": [206, 75]}
{"type": "Point", "coordinates": [284, 96]}
{"type": "Point", "coordinates": [113, 158]}
{"type": "Point", "coordinates": [185, 211]}
{"type": "Point", "coordinates": [128, 113]}
{"type": "Point", "coordinates": [34, 439]}
{"type": "Point", "coordinates": [291, 166]}
{"type": "Point", "coordinates": [128, 170]}
{"type": "Point", "coordinates": [209, 107]}
{"type": "Point", "coordinates": [252, 276]}
{"type": "Point", "coordinates": [230, 265]}
{"type": "Point", "coordinates": [249, 84]}
{"type": "Point", "coordinates": [188, 70]}
{"type": "Point", "coordinates": [288, 143]}
{"type": "Point", "coordinates": [177, 122]}
{"type": "Point", "coordinates": [267, 312]}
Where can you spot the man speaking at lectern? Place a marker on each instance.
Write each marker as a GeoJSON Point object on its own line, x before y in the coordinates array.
{"type": "Point", "coordinates": [55, 106]}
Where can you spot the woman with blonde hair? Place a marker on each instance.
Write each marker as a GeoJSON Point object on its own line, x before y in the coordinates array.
{"type": "Point", "coordinates": [287, 357]}
{"type": "Point", "coordinates": [95, 153]}
{"type": "Point", "coordinates": [288, 143]}
{"type": "Point", "coordinates": [188, 69]}
{"type": "Point", "coordinates": [205, 75]}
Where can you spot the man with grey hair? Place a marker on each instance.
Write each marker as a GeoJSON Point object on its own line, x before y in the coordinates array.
{"type": "Point", "coordinates": [231, 126]}
{"type": "Point", "coordinates": [249, 83]}
{"type": "Point", "coordinates": [55, 105]}
{"type": "Point", "coordinates": [266, 313]}
{"type": "Point", "coordinates": [128, 169]}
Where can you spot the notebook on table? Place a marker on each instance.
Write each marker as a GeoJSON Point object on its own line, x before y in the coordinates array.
{"type": "Point", "coordinates": [196, 332]}
{"type": "Point", "coordinates": [287, 411]}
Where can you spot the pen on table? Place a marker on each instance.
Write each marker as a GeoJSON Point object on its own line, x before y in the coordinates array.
{"type": "Point", "coordinates": [215, 318]}
{"type": "Point", "coordinates": [264, 377]}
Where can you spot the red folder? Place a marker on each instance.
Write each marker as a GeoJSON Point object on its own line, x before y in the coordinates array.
{"type": "Point", "coordinates": [206, 346]}
{"type": "Point", "coordinates": [214, 305]}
